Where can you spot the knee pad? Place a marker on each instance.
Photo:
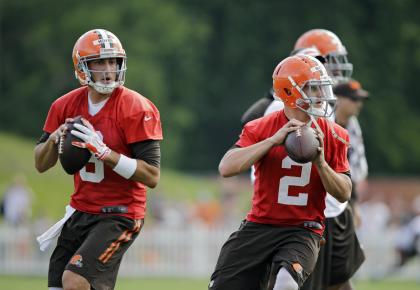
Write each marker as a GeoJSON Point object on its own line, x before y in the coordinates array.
{"type": "Point", "coordinates": [285, 281]}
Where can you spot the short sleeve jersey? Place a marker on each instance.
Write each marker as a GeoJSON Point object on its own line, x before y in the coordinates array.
{"type": "Point", "coordinates": [285, 192]}
{"type": "Point", "coordinates": [126, 118]}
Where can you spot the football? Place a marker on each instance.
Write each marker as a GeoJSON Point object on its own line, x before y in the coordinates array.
{"type": "Point", "coordinates": [302, 145]}
{"type": "Point", "coordinates": [72, 158]}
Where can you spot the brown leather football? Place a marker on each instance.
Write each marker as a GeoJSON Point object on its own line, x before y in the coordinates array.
{"type": "Point", "coordinates": [302, 145]}
{"type": "Point", "coordinates": [72, 158]}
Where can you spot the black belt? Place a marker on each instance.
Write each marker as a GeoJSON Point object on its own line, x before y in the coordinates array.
{"type": "Point", "coordinates": [312, 225]}
{"type": "Point", "coordinates": [114, 209]}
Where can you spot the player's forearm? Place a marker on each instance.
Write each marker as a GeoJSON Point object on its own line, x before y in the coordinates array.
{"type": "Point", "coordinates": [145, 173]}
{"type": "Point", "coordinates": [46, 155]}
{"type": "Point", "coordinates": [239, 160]}
{"type": "Point", "coordinates": [336, 184]}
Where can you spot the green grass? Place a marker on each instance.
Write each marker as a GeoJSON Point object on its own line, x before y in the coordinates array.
{"type": "Point", "coordinates": [37, 283]}
{"type": "Point", "coordinates": [53, 188]}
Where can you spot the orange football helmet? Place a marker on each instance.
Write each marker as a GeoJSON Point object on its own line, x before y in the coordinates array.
{"type": "Point", "coordinates": [331, 48]}
{"type": "Point", "coordinates": [301, 81]}
{"type": "Point", "coordinates": [98, 44]}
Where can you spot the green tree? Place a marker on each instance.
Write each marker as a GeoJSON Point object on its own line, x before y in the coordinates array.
{"type": "Point", "coordinates": [204, 62]}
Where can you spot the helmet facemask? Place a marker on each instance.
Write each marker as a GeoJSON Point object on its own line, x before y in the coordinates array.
{"type": "Point", "coordinates": [317, 98]}
{"type": "Point", "coordinates": [338, 67]}
{"type": "Point", "coordinates": [99, 86]}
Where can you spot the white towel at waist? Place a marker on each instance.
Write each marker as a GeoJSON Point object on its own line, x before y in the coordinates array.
{"type": "Point", "coordinates": [46, 238]}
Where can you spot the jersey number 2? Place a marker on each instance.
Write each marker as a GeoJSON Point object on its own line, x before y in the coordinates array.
{"type": "Point", "coordinates": [302, 198]}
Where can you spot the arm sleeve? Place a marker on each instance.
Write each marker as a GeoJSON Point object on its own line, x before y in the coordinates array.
{"type": "Point", "coordinates": [257, 109]}
{"type": "Point", "coordinates": [44, 137]}
{"type": "Point", "coordinates": [148, 151]}
{"type": "Point", "coordinates": [347, 173]}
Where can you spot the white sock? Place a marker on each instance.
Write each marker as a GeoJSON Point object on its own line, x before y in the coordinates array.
{"type": "Point", "coordinates": [55, 288]}
{"type": "Point", "coordinates": [285, 281]}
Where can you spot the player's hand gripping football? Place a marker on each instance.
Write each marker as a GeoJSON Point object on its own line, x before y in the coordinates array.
{"type": "Point", "coordinates": [61, 130]}
{"type": "Point", "coordinates": [319, 160]}
{"type": "Point", "coordinates": [92, 140]}
{"type": "Point", "coordinates": [279, 137]}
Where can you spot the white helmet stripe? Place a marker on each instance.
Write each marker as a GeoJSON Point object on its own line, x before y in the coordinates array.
{"type": "Point", "coordinates": [105, 43]}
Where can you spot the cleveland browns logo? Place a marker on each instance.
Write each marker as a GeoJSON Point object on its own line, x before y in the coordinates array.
{"type": "Point", "coordinates": [298, 268]}
{"type": "Point", "coordinates": [77, 261]}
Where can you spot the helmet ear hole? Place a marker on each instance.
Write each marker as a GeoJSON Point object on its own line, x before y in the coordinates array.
{"type": "Point", "coordinates": [287, 91]}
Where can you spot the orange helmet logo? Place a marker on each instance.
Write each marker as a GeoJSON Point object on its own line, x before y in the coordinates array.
{"type": "Point", "coordinates": [354, 85]}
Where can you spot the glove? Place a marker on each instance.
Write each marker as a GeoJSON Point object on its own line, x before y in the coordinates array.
{"type": "Point", "coordinates": [92, 140]}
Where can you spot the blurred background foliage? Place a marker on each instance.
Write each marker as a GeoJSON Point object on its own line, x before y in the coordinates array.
{"type": "Point", "coordinates": [204, 62]}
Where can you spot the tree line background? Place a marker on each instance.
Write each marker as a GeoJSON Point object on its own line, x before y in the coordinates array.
{"type": "Point", "coordinates": [204, 62]}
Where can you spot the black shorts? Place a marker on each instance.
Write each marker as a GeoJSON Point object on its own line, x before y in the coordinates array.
{"type": "Point", "coordinates": [92, 246]}
{"type": "Point", "coordinates": [255, 250]}
{"type": "Point", "coordinates": [341, 255]}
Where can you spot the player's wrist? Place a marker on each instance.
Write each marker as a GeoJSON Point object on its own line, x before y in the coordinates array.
{"type": "Point", "coordinates": [271, 141]}
{"type": "Point", "coordinates": [321, 165]}
{"type": "Point", "coordinates": [126, 167]}
{"type": "Point", "coordinates": [52, 141]}
{"type": "Point", "coordinates": [104, 153]}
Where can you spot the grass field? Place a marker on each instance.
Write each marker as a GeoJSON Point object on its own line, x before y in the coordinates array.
{"type": "Point", "coordinates": [32, 283]}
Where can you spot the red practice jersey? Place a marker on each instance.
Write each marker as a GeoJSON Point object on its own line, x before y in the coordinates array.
{"type": "Point", "coordinates": [287, 192]}
{"type": "Point", "coordinates": [127, 117]}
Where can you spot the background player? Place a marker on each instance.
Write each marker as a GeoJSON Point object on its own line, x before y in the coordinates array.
{"type": "Point", "coordinates": [342, 254]}
{"type": "Point", "coordinates": [122, 129]}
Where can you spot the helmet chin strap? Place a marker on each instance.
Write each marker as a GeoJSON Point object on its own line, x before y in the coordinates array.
{"type": "Point", "coordinates": [318, 112]}
{"type": "Point", "coordinates": [331, 126]}
{"type": "Point", "coordinates": [313, 111]}
{"type": "Point", "coordinates": [104, 88]}
{"type": "Point", "coordinates": [313, 120]}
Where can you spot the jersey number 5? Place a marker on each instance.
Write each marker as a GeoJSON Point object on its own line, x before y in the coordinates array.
{"type": "Point", "coordinates": [302, 198]}
{"type": "Point", "coordinates": [97, 175]}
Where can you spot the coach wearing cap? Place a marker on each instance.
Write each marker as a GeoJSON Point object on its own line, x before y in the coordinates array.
{"type": "Point", "coordinates": [350, 97]}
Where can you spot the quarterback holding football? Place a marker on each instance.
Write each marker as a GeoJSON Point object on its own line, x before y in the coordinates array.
{"type": "Point", "coordinates": [121, 130]}
{"type": "Point", "coordinates": [283, 230]}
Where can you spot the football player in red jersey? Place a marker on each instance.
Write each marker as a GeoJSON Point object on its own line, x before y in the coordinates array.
{"type": "Point", "coordinates": [122, 129]}
{"type": "Point", "coordinates": [283, 229]}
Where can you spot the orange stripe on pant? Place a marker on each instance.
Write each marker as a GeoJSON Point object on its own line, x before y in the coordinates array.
{"type": "Point", "coordinates": [125, 237]}
{"type": "Point", "coordinates": [111, 248]}
{"type": "Point", "coordinates": [117, 246]}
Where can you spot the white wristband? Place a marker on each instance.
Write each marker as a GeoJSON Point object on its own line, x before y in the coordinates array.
{"type": "Point", "coordinates": [126, 166]}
